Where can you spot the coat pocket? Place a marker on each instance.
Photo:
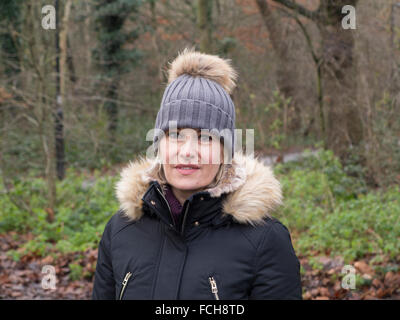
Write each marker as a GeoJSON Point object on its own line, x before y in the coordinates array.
{"type": "Point", "coordinates": [124, 284]}
{"type": "Point", "coordinates": [213, 287]}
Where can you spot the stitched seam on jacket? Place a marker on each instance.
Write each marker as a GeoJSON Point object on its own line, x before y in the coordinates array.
{"type": "Point", "coordinates": [158, 264]}
{"type": "Point", "coordinates": [109, 242]}
{"type": "Point", "coordinates": [180, 273]}
{"type": "Point", "coordinates": [118, 216]}
{"type": "Point", "coordinates": [266, 234]}
{"type": "Point", "coordinates": [116, 233]}
{"type": "Point", "coordinates": [248, 239]}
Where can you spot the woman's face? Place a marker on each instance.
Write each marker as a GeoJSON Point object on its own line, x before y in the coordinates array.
{"type": "Point", "coordinates": [190, 158]}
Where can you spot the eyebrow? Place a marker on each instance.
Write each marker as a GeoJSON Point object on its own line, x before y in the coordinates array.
{"type": "Point", "coordinates": [180, 129]}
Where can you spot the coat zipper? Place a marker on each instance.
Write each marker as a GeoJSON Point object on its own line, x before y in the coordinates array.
{"type": "Point", "coordinates": [184, 219]}
{"type": "Point", "coordinates": [170, 212]}
{"type": "Point", "coordinates": [214, 288]}
{"type": "Point", "coordinates": [169, 208]}
{"type": "Point", "coordinates": [124, 283]}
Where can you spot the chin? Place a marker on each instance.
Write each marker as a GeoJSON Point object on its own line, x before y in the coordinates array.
{"type": "Point", "coordinates": [187, 185]}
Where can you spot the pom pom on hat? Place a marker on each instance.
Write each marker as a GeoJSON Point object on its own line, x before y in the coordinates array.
{"type": "Point", "coordinates": [203, 65]}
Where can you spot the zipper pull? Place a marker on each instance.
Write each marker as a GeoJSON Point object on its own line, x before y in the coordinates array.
{"type": "Point", "coordinates": [124, 282]}
{"type": "Point", "coordinates": [214, 288]}
{"type": "Point", "coordinates": [169, 208]}
{"type": "Point", "coordinates": [128, 275]}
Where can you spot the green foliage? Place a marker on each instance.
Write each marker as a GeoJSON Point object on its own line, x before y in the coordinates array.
{"type": "Point", "coordinates": [76, 271]}
{"type": "Point", "coordinates": [10, 18]}
{"type": "Point", "coordinates": [315, 264]}
{"type": "Point", "coordinates": [86, 146]}
{"type": "Point", "coordinates": [361, 282]}
{"type": "Point", "coordinates": [326, 167]}
{"type": "Point", "coordinates": [386, 150]}
{"type": "Point", "coordinates": [383, 269]}
{"type": "Point", "coordinates": [110, 55]}
{"type": "Point", "coordinates": [275, 132]}
{"type": "Point", "coordinates": [83, 151]}
{"type": "Point", "coordinates": [226, 44]}
{"type": "Point", "coordinates": [334, 212]}
{"type": "Point", "coordinates": [85, 205]}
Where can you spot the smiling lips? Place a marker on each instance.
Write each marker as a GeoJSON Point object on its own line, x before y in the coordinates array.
{"type": "Point", "coordinates": [187, 169]}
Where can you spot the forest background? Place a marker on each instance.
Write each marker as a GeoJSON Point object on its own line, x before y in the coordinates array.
{"type": "Point", "coordinates": [318, 82]}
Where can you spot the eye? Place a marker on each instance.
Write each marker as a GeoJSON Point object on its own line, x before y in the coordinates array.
{"type": "Point", "coordinates": [205, 138]}
{"type": "Point", "coordinates": [173, 135]}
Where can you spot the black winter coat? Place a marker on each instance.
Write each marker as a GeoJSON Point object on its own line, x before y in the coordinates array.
{"type": "Point", "coordinates": [227, 246]}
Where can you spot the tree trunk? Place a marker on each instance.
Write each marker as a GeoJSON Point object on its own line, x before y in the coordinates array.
{"type": "Point", "coordinates": [112, 109]}
{"type": "Point", "coordinates": [61, 66]}
{"type": "Point", "coordinates": [111, 25]}
{"type": "Point", "coordinates": [155, 40]}
{"type": "Point", "coordinates": [43, 107]}
{"type": "Point", "coordinates": [204, 23]}
{"type": "Point", "coordinates": [286, 76]}
{"type": "Point", "coordinates": [344, 126]}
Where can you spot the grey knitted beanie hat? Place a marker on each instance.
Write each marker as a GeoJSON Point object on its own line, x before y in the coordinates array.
{"type": "Point", "coordinates": [198, 96]}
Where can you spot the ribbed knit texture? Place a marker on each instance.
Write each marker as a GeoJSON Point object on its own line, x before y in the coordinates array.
{"type": "Point", "coordinates": [198, 103]}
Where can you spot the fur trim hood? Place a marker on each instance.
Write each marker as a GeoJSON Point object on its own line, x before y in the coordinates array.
{"type": "Point", "coordinates": [253, 192]}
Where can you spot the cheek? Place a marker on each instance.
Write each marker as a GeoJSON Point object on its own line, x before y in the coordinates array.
{"type": "Point", "coordinates": [215, 154]}
{"type": "Point", "coordinates": [211, 154]}
{"type": "Point", "coordinates": [167, 170]}
{"type": "Point", "coordinates": [210, 172]}
{"type": "Point", "coordinates": [168, 152]}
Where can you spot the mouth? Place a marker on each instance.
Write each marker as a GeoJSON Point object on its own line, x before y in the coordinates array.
{"type": "Point", "coordinates": [186, 169]}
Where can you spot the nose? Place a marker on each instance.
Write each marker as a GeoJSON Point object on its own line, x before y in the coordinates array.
{"type": "Point", "coordinates": [189, 147]}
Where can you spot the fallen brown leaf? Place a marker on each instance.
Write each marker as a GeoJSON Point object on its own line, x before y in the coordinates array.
{"type": "Point", "coordinates": [324, 291]}
{"type": "Point", "coordinates": [363, 267]}
{"type": "Point", "coordinates": [377, 283]}
{"type": "Point", "coordinates": [315, 292]}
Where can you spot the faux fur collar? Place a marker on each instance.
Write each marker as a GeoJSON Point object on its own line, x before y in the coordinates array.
{"type": "Point", "coordinates": [253, 191]}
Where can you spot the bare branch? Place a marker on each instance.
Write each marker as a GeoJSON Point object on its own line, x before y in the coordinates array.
{"type": "Point", "coordinates": [312, 15]}
{"type": "Point", "coordinates": [316, 59]}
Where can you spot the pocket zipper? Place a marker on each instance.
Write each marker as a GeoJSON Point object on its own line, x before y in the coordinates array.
{"type": "Point", "coordinates": [214, 288]}
{"type": "Point", "coordinates": [124, 283]}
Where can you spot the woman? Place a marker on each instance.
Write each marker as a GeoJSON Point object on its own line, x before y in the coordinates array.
{"type": "Point", "coordinates": [192, 225]}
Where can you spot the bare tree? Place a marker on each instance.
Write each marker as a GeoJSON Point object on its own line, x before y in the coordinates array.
{"type": "Point", "coordinates": [344, 126]}
{"type": "Point", "coordinates": [286, 76]}
{"type": "Point", "coordinates": [204, 23]}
